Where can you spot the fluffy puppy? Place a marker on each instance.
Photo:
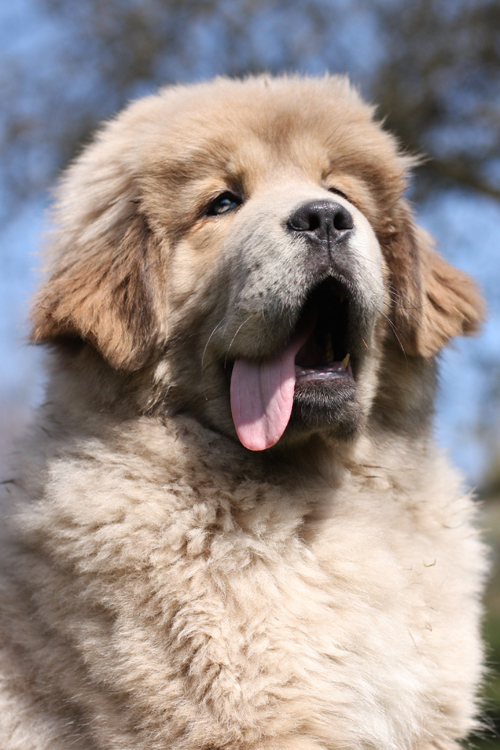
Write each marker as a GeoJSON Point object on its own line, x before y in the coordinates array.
{"type": "Point", "coordinates": [230, 527]}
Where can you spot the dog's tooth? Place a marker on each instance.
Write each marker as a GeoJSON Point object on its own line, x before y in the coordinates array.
{"type": "Point", "coordinates": [329, 349]}
{"type": "Point", "coordinates": [345, 361]}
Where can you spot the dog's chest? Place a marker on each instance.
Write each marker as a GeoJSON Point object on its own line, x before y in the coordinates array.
{"type": "Point", "coordinates": [221, 613]}
{"type": "Point", "coordinates": [347, 633]}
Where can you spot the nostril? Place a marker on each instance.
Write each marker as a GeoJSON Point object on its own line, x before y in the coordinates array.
{"type": "Point", "coordinates": [343, 219]}
{"type": "Point", "coordinates": [314, 222]}
{"type": "Point", "coordinates": [305, 219]}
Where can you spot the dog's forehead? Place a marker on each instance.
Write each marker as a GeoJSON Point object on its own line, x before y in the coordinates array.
{"type": "Point", "coordinates": [250, 128]}
{"type": "Point", "coordinates": [240, 145]}
{"type": "Point", "coordinates": [248, 163]}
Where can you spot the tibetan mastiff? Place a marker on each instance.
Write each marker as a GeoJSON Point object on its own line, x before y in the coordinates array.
{"type": "Point", "coordinates": [229, 526]}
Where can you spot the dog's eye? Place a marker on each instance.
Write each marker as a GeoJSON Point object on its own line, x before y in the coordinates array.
{"type": "Point", "coordinates": [338, 192]}
{"type": "Point", "coordinates": [224, 203]}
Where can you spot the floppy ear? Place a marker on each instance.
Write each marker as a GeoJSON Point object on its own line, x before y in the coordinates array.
{"type": "Point", "coordinates": [432, 300]}
{"type": "Point", "coordinates": [452, 304]}
{"type": "Point", "coordinates": [104, 290]}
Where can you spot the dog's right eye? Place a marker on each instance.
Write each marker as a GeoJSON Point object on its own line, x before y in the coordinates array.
{"type": "Point", "coordinates": [224, 203]}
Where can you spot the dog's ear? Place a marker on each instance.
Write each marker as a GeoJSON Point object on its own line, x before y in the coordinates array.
{"type": "Point", "coordinates": [104, 283]}
{"type": "Point", "coordinates": [431, 300]}
{"type": "Point", "coordinates": [452, 304]}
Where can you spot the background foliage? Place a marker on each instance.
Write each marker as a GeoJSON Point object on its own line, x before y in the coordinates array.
{"type": "Point", "coordinates": [433, 67]}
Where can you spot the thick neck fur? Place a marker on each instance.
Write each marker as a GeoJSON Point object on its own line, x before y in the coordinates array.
{"type": "Point", "coordinates": [151, 549]}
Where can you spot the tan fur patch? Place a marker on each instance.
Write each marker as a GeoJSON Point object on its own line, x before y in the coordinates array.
{"type": "Point", "coordinates": [432, 301]}
{"type": "Point", "coordinates": [107, 296]}
{"type": "Point", "coordinates": [452, 304]}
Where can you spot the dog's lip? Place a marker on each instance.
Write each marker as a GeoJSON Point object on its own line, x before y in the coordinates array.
{"type": "Point", "coordinates": [329, 372]}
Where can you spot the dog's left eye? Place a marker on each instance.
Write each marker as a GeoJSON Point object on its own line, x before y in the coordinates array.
{"type": "Point", "coordinates": [336, 191]}
{"type": "Point", "coordinates": [224, 203]}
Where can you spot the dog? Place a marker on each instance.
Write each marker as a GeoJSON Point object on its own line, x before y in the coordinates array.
{"type": "Point", "coordinates": [229, 526]}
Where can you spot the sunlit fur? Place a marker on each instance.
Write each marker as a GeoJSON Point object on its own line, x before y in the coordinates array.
{"type": "Point", "coordinates": [162, 586]}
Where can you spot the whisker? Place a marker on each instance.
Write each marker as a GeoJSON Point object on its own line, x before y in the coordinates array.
{"type": "Point", "coordinates": [406, 309]}
{"type": "Point", "coordinates": [393, 293]}
{"type": "Point", "coordinates": [394, 330]}
{"type": "Point", "coordinates": [252, 315]}
{"type": "Point", "coordinates": [214, 331]}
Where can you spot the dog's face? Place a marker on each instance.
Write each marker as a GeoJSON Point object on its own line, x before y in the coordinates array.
{"type": "Point", "coordinates": [246, 245]}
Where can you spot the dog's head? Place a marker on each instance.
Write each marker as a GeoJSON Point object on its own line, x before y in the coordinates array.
{"type": "Point", "coordinates": [248, 246]}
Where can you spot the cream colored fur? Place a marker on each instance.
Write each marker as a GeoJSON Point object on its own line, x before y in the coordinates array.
{"type": "Point", "coordinates": [164, 588]}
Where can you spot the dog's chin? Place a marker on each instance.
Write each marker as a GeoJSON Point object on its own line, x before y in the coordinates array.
{"type": "Point", "coordinates": [326, 406]}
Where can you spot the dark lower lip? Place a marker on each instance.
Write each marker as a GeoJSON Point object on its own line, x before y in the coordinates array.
{"type": "Point", "coordinates": [326, 399]}
{"type": "Point", "coordinates": [330, 372]}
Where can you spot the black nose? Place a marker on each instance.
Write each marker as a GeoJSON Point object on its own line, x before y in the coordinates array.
{"type": "Point", "coordinates": [322, 220]}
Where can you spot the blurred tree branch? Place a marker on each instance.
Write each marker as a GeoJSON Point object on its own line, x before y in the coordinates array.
{"type": "Point", "coordinates": [439, 88]}
{"type": "Point", "coordinates": [433, 66]}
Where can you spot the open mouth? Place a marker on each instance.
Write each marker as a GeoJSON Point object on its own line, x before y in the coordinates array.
{"type": "Point", "coordinates": [311, 374]}
{"type": "Point", "coordinates": [325, 355]}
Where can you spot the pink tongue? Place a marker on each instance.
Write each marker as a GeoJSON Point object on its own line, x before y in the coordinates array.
{"type": "Point", "coordinates": [262, 395]}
